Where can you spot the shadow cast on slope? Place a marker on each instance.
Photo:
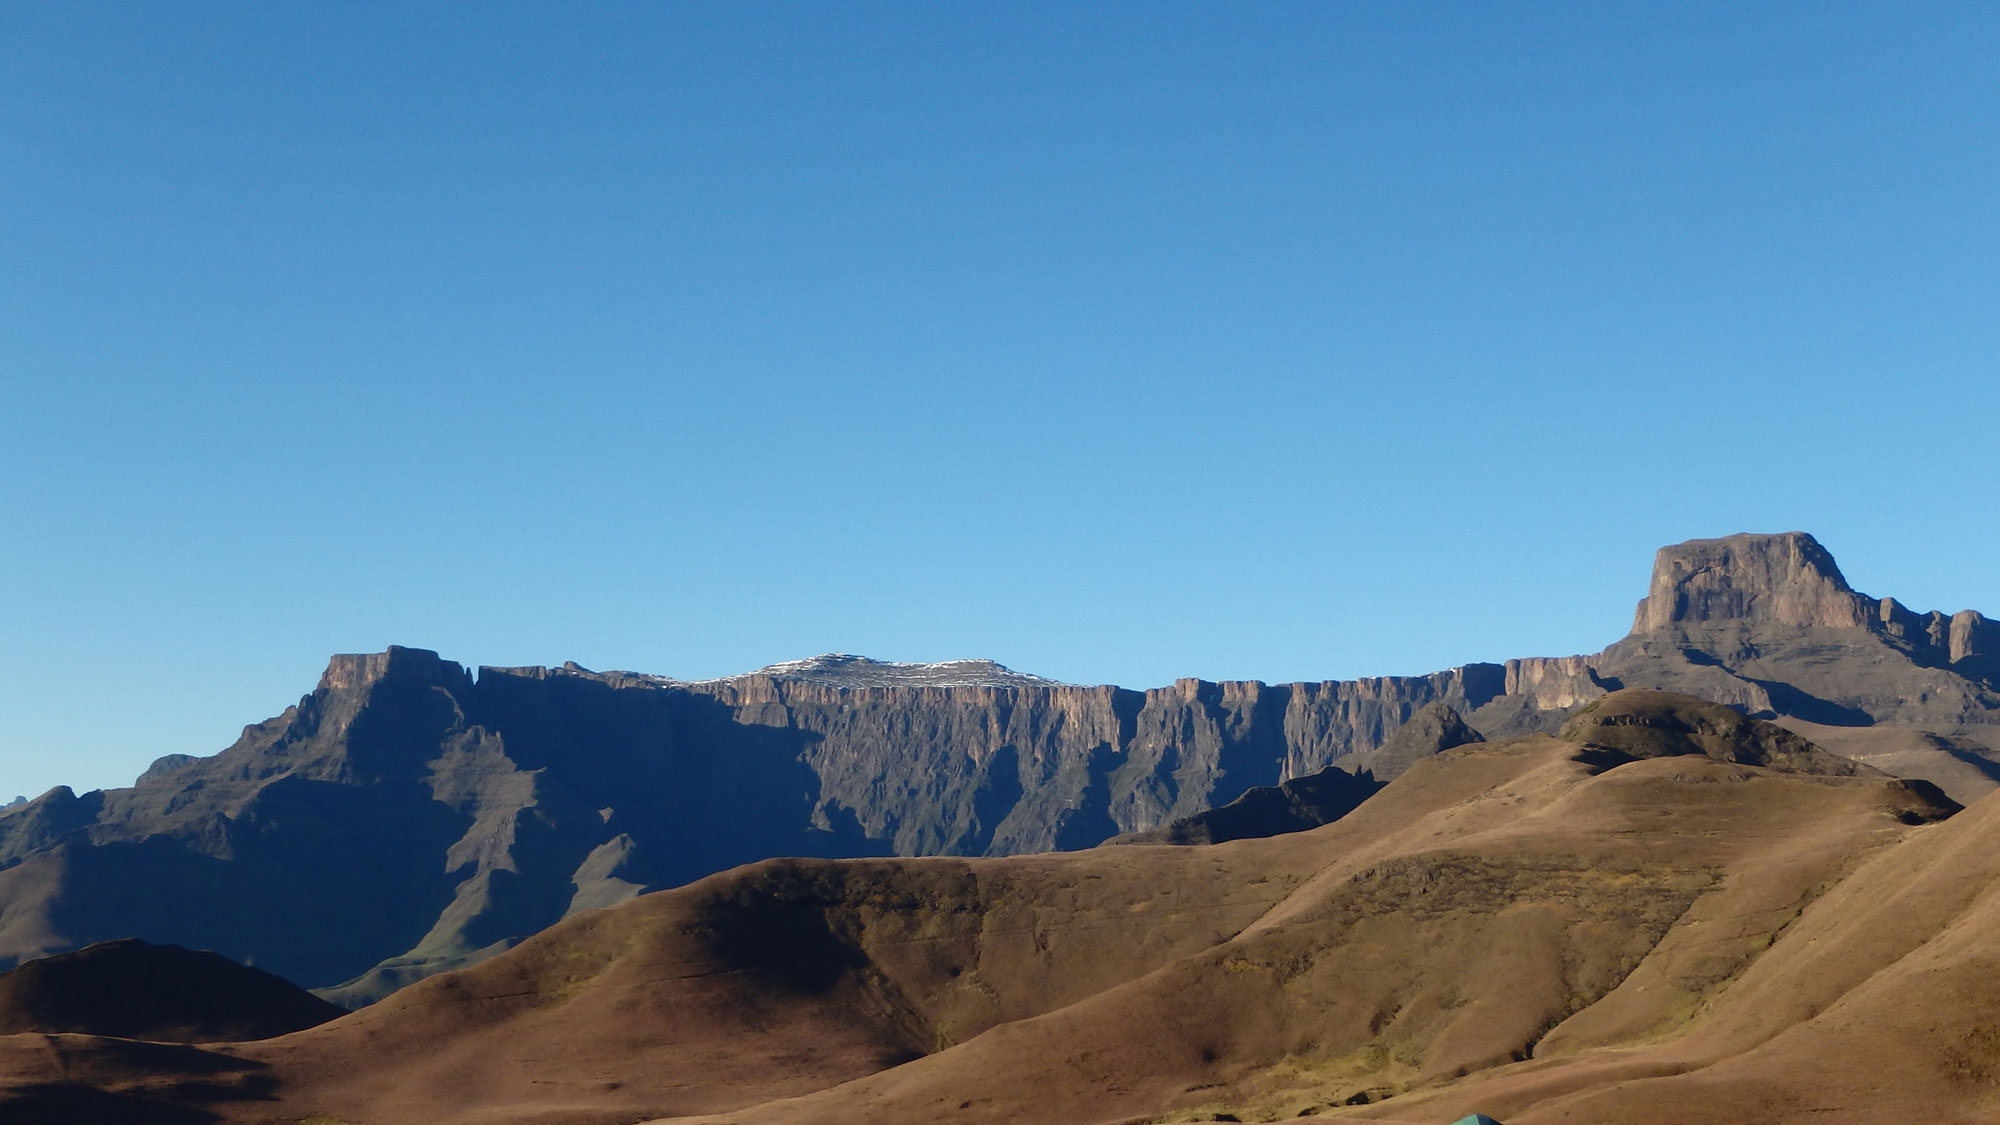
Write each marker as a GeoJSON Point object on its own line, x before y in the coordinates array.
{"type": "Point", "coordinates": [70, 1103]}
{"type": "Point", "coordinates": [698, 786]}
{"type": "Point", "coordinates": [132, 1082]}
{"type": "Point", "coordinates": [1788, 700]}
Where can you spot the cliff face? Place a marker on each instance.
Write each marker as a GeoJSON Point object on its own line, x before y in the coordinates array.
{"type": "Point", "coordinates": [1768, 624]}
{"type": "Point", "coordinates": [1786, 579]}
{"type": "Point", "coordinates": [1790, 580]}
{"type": "Point", "coordinates": [1001, 770]}
{"type": "Point", "coordinates": [409, 816]}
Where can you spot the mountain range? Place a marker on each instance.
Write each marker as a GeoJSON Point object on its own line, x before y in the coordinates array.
{"type": "Point", "coordinates": [409, 816]}
{"type": "Point", "coordinates": [1678, 878]}
{"type": "Point", "coordinates": [1666, 911]}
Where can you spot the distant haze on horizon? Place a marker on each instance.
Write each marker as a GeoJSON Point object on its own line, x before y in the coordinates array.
{"type": "Point", "coordinates": [1115, 344]}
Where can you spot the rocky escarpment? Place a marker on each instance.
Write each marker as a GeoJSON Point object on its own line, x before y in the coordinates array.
{"type": "Point", "coordinates": [1768, 624]}
{"type": "Point", "coordinates": [410, 815]}
{"type": "Point", "coordinates": [1003, 770]}
{"type": "Point", "coordinates": [1786, 579]}
{"type": "Point", "coordinates": [1790, 580]}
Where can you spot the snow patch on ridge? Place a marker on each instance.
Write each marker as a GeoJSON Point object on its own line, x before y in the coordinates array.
{"type": "Point", "coordinates": [846, 670]}
{"type": "Point", "coordinates": [841, 669]}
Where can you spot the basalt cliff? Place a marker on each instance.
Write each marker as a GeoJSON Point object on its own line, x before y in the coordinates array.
{"type": "Point", "coordinates": [409, 815]}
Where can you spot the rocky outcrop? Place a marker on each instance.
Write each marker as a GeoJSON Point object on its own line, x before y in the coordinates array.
{"type": "Point", "coordinates": [1767, 624]}
{"type": "Point", "coordinates": [1429, 732]}
{"type": "Point", "coordinates": [1970, 636]}
{"type": "Point", "coordinates": [1637, 723]}
{"type": "Point", "coordinates": [1553, 682]}
{"type": "Point", "coordinates": [1268, 810]}
{"type": "Point", "coordinates": [1788, 579]}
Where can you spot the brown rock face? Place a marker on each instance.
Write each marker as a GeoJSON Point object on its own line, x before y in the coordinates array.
{"type": "Point", "coordinates": [1553, 682]}
{"type": "Point", "coordinates": [1972, 635]}
{"type": "Point", "coordinates": [1788, 578]}
{"type": "Point", "coordinates": [1767, 624]}
{"type": "Point", "coordinates": [1775, 581]}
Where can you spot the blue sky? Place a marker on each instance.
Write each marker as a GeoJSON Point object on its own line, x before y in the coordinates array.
{"type": "Point", "coordinates": [1114, 342]}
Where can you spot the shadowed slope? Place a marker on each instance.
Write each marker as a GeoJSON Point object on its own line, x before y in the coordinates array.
{"type": "Point", "coordinates": [407, 816]}
{"type": "Point", "coordinates": [159, 992]}
{"type": "Point", "coordinates": [775, 979]}
{"type": "Point", "coordinates": [1268, 810]}
{"type": "Point", "coordinates": [1453, 941]}
{"type": "Point", "coordinates": [779, 978]}
{"type": "Point", "coordinates": [1431, 731]}
{"type": "Point", "coordinates": [1536, 898]}
{"type": "Point", "coordinates": [1318, 798]}
{"type": "Point", "coordinates": [1964, 768]}
{"type": "Point", "coordinates": [79, 1079]}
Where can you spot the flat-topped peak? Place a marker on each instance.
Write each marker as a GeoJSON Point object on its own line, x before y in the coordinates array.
{"type": "Point", "coordinates": [349, 671]}
{"type": "Point", "coordinates": [1786, 577]}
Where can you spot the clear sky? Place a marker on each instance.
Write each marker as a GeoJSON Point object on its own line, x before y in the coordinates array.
{"type": "Point", "coordinates": [1115, 342]}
